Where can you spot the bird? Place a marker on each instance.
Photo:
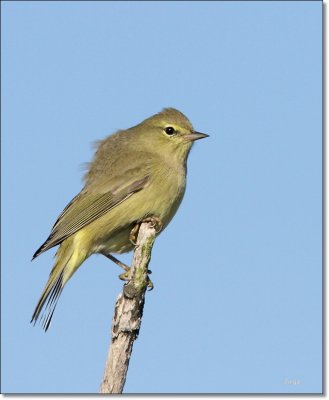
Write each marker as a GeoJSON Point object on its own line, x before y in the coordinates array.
{"type": "Point", "coordinates": [136, 174]}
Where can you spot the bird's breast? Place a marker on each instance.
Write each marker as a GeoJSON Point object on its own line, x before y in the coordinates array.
{"type": "Point", "coordinates": [166, 192]}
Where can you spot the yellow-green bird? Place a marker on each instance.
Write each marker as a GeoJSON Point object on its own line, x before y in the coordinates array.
{"type": "Point", "coordinates": [135, 174]}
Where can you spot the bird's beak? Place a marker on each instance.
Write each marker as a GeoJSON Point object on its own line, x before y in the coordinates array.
{"type": "Point", "coordinates": [195, 136]}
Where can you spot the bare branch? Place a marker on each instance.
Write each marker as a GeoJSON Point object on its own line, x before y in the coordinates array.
{"type": "Point", "coordinates": [128, 313]}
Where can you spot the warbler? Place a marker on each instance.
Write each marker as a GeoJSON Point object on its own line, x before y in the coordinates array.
{"type": "Point", "coordinates": [135, 174]}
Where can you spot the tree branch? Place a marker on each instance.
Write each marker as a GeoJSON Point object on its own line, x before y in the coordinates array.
{"type": "Point", "coordinates": [128, 313]}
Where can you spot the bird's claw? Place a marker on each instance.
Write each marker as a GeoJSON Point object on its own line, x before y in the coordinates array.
{"type": "Point", "coordinates": [125, 277]}
{"type": "Point", "coordinates": [150, 285]}
{"type": "Point", "coordinates": [133, 234]}
{"type": "Point", "coordinates": [155, 223]}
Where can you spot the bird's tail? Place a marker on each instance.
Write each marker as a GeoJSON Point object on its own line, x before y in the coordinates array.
{"type": "Point", "coordinates": [68, 260]}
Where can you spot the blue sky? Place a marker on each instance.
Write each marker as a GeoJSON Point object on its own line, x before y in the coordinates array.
{"type": "Point", "coordinates": [237, 301]}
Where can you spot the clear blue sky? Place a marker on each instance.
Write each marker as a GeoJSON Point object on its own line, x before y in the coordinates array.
{"type": "Point", "coordinates": [237, 274]}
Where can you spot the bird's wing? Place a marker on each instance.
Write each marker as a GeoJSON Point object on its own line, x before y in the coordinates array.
{"type": "Point", "coordinates": [86, 207]}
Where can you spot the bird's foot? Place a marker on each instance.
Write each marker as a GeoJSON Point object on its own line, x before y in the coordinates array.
{"type": "Point", "coordinates": [155, 223]}
{"type": "Point", "coordinates": [117, 262]}
{"type": "Point", "coordinates": [125, 277]}
{"type": "Point", "coordinates": [134, 233]}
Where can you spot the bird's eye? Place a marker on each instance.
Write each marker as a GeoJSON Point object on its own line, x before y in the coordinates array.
{"type": "Point", "coordinates": [170, 130]}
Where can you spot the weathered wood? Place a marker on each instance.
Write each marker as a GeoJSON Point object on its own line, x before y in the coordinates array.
{"type": "Point", "coordinates": [128, 313]}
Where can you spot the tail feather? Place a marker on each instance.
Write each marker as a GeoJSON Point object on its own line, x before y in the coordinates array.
{"type": "Point", "coordinates": [59, 275]}
{"type": "Point", "coordinates": [68, 259]}
{"type": "Point", "coordinates": [48, 301]}
{"type": "Point", "coordinates": [46, 319]}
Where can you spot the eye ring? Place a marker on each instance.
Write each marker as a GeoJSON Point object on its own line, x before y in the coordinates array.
{"type": "Point", "coordinates": [169, 130]}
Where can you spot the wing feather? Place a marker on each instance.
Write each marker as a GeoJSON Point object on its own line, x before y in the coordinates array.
{"type": "Point", "coordinates": [86, 208]}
